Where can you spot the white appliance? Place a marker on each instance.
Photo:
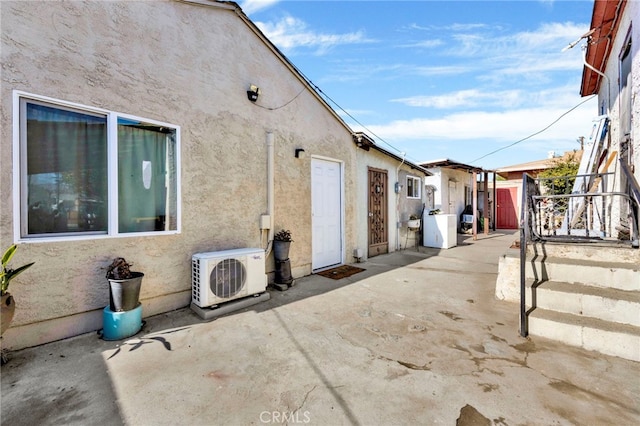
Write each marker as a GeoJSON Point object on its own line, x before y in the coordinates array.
{"type": "Point", "coordinates": [221, 276]}
{"type": "Point", "coordinates": [440, 230]}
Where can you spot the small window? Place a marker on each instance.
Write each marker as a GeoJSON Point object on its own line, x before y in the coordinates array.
{"type": "Point", "coordinates": [625, 89]}
{"type": "Point", "coordinates": [80, 177]}
{"type": "Point", "coordinates": [413, 187]}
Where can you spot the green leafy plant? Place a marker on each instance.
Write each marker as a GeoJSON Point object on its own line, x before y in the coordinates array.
{"type": "Point", "coordinates": [559, 179]}
{"type": "Point", "coordinates": [283, 235]}
{"type": "Point", "coordinates": [7, 273]}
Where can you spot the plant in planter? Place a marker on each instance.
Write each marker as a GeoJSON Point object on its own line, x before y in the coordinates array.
{"type": "Point", "coordinates": [414, 221]}
{"type": "Point", "coordinates": [124, 285]}
{"type": "Point", "coordinates": [281, 243]}
{"type": "Point", "coordinates": [8, 306]}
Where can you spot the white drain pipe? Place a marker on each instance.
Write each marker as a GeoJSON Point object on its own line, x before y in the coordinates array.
{"type": "Point", "coordinates": [270, 190]}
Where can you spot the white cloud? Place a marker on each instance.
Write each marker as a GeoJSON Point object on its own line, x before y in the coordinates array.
{"type": "Point", "coordinates": [251, 6]}
{"type": "Point", "coordinates": [424, 44]}
{"type": "Point", "coordinates": [428, 71]}
{"type": "Point", "coordinates": [466, 99]}
{"type": "Point", "coordinates": [498, 128]}
{"type": "Point", "coordinates": [473, 98]}
{"type": "Point", "coordinates": [290, 33]}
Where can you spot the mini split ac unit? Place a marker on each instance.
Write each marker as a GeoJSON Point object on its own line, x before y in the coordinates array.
{"type": "Point", "coordinates": [222, 276]}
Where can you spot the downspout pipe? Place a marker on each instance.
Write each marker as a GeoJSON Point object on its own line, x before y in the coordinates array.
{"type": "Point", "coordinates": [398, 202]}
{"type": "Point", "coordinates": [592, 68]}
{"type": "Point", "coordinates": [270, 190]}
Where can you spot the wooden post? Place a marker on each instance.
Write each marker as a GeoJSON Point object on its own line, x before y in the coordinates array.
{"type": "Point", "coordinates": [485, 208]}
{"type": "Point", "coordinates": [475, 205]}
{"type": "Point", "coordinates": [494, 209]}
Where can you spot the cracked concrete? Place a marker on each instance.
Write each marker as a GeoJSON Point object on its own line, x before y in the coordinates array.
{"type": "Point", "coordinates": [417, 338]}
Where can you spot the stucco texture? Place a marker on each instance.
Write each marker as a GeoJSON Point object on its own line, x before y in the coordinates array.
{"type": "Point", "coordinates": [190, 66]}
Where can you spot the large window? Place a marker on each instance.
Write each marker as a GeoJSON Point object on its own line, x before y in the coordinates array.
{"type": "Point", "coordinates": [413, 187]}
{"type": "Point", "coordinates": [89, 172]}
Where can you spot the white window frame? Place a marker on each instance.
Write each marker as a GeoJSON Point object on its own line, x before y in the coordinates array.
{"type": "Point", "coordinates": [417, 183]}
{"type": "Point", "coordinates": [19, 170]}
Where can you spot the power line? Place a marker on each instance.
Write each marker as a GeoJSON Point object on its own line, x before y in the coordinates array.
{"type": "Point", "coordinates": [319, 90]}
{"type": "Point", "coordinates": [536, 133]}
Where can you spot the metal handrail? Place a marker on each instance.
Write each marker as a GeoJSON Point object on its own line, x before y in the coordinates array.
{"type": "Point", "coordinates": [634, 190]}
{"type": "Point", "coordinates": [529, 190]}
{"type": "Point", "coordinates": [578, 211]}
{"type": "Point", "coordinates": [569, 217]}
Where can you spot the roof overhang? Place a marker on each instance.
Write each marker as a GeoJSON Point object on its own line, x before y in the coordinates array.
{"type": "Point", "coordinates": [447, 163]}
{"type": "Point", "coordinates": [363, 141]}
{"type": "Point", "coordinates": [604, 26]}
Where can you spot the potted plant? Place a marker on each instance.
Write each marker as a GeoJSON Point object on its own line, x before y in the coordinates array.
{"type": "Point", "coordinates": [124, 285]}
{"type": "Point", "coordinates": [414, 222]}
{"type": "Point", "coordinates": [8, 306]}
{"type": "Point", "coordinates": [281, 242]}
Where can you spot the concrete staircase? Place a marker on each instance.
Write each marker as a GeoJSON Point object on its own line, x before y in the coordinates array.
{"type": "Point", "coordinates": [584, 295]}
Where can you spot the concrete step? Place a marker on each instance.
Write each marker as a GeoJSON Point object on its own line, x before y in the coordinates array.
{"type": "Point", "coordinates": [601, 252]}
{"type": "Point", "coordinates": [621, 340]}
{"type": "Point", "coordinates": [608, 304]}
{"type": "Point", "coordinates": [618, 275]}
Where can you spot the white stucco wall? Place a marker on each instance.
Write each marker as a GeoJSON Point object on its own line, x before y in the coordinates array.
{"type": "Point", "coordinates": [450, 201]}
{"type": "Point", "coordinates": [608, 98]}
{"type": "Point", "coordinates": [609, 88]}
{"type": "Point", "coordinates": [178, 63]}
{"type": "Point", "coordinates": [397, 207]}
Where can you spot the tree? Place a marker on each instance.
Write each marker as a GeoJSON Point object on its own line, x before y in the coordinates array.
{"type": "Point", "coordinates": [559, 179]}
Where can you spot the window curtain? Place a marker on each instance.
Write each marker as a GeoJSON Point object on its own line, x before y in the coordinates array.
{"type": "Point", "coordinates": [142, 178]}
{"type": "Point", "coordinates": [66, 170]}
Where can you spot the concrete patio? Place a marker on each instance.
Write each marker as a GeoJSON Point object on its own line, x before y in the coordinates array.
{"type": "Point", "coordinates": [417, 338]}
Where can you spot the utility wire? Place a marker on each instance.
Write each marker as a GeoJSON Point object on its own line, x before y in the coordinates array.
{"type": "Point", "coordinates": [319, 90]}
{"type": "Point", "coordinates": [283, 105]}
{"type": "Point", "coordinates": [536, 133]}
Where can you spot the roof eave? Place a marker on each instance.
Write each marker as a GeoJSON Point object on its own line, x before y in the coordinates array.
{"type": "Point", "coordinates": [363, 141]}
{"type": "Point", "coordinates": [604, 24]}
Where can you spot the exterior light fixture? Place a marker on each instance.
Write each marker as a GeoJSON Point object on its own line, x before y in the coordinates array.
{"type": "Point", "coordinates": [253, 93]}
{"type": "Point", "coordinates": [299, 152]}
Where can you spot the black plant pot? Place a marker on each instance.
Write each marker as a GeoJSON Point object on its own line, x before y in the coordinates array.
{"type": "Point", "coordinates": [281, 249]}
{"type": "Point", "coordinates": [124, 294]}
{"type": "Point", "coordinates": [283, 272]}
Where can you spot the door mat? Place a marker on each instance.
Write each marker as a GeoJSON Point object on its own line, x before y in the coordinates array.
{"type": "Point", "coordinates": [343, 271]}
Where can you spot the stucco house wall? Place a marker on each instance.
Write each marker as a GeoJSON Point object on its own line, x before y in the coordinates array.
{"type": "Point", "coordinates": [450, 188]}
{"type": "Point", "coordinates": [608, 94]}
{"type": "Point", "coordinates": [179, 63]}
{"type": "Point", "coordinates": [610, 102]}
{"type": "Point", "coordinates": [399, 208]}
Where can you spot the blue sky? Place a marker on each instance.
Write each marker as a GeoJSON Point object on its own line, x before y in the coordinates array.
{"type": "Point", "coordinates": [443, 79]}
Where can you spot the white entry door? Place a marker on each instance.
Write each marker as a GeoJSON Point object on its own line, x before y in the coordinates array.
{"type": "Point", "coordinates": [326, 207]}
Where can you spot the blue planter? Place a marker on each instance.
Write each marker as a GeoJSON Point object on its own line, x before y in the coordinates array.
{"type": "Point", "coordinates": [120, 325]}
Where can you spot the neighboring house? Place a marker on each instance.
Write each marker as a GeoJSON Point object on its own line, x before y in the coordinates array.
{"type": "Point", "coordinates": [453, 187]}
{"type": "Point", "coordinates": [613, 74]}
{"type": "Point", "coordinates": [569, 288]}
{"type": "Point", "coordinates": [509, 190]}
{"type": "Point", "coordinates": [154, 131]}
{"type": "Point", "coordinates": [391, 189]}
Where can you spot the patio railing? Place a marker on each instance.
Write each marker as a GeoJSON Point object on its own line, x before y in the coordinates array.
{"type": "Point", "coordinates": [589, 213]}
